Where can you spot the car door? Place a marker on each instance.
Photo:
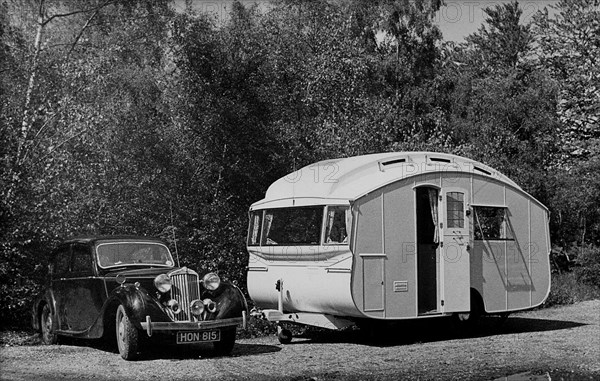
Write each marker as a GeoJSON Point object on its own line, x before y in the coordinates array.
{"type": "Point", "coordinates": [61, 267]}
{"type": "Point", "coordinates": [84, 291]}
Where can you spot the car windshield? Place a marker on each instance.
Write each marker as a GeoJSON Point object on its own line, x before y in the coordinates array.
{"type": "Point", "coordinates": [113, 254]}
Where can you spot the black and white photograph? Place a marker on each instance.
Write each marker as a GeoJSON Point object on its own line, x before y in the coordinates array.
{"type": "Point", "coordinates": [303, 190]}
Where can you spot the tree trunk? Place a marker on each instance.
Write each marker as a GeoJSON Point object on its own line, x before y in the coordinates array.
{"type": "Point", "coordinates": [26, 121]}
{"type": "Point", "coordinates": [15, 172]}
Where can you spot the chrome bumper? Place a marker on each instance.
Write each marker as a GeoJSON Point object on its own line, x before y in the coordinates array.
{"type": "Point", "coordinates": [150, 326]}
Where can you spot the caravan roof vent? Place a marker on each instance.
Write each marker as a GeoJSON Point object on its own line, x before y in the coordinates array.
{"type": "Point", "coordinates": [482, 170]}
{"type": "Point", "coordinates": [396, 161]}
{"type": "Point", "coordinates": [388, 164]}
{"type": "Point", "coordinates": [439, 159]}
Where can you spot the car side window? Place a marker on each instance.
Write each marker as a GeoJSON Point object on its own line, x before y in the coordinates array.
{"type": "Point", "coordinates": [81, 263]}
{"type": "Point", "coordinates": [61, 262]}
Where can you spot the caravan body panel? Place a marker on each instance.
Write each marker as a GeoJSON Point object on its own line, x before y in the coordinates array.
{"type": "Point", "coordinates": [423, 233]}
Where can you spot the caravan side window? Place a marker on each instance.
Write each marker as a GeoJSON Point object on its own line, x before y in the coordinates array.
{"type": "Point", "coordinates": [255, 228]}
{"type": "Point", "coordinates": [339, 221]}
{"type": "Point", "coordinates": [491, 223]}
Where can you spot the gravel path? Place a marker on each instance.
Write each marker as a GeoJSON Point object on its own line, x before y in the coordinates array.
{"type": "Point", "coordinates": [556, 343]}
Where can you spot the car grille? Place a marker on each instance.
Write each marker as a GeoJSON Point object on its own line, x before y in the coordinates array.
{"type": "Point", "coordinates": [185, 288]}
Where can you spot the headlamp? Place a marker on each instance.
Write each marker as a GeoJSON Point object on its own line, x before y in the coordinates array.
{"type": "Point", "coordinates": [210, 305]}
{"type": "Point", "coordinates": [197, 307]}
{"type": "Point", "coordinates": [174, 306]}
{"type": "Point", "coordinates": [211, 281]}
{"type": "Point", "coordinates": [163, 283]}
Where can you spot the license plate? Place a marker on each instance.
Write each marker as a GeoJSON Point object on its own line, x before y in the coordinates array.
{"type": "Point", "coordinates": [198, 336]}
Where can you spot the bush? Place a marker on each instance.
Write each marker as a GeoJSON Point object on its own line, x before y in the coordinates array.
{"type": "Point", "coordinates": [567, 289]}
{"type": "Point", "coordinates": [587, 264]}
{"type": "Point", "coordinates": [257, 327]}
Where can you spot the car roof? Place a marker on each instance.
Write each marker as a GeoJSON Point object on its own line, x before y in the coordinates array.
{"type": "Point", "coordinates": [110, 238]}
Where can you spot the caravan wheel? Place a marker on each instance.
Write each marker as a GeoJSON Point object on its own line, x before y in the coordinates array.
{"type": "Point", "coordinates": [470, 319]}
{"type": "Point", "coordinates": [284, 335]}
{"type": "Point", "coordinates": [502, 318]}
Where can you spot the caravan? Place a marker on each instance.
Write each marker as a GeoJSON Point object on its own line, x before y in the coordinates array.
{"type": "Point", "coordinates": [396, 236]}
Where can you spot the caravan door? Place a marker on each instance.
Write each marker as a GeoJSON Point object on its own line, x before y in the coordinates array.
{"type": "Point", "coordinates": [455, 260]}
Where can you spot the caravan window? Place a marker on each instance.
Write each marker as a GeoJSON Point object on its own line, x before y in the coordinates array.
{"type": "Point", "coordinates": [491, 223]}
{"type": "Point", "coordinates": [292, 226]}
{"type": "Point", "coordinates": [338, 224]}
{"type": "Point", "coordinates": [255, 228]}
{"type": "Point", "coordinates": [455, 210]}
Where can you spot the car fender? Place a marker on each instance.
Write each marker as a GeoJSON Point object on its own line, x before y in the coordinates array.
{"type": "Point", "coordinates": [230, 301]}
{"type": "Point", "coordinates": [46, 298]}
{"type": "Point", "coordinates": [137, 303]}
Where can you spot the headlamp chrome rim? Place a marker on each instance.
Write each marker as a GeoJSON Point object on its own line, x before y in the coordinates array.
{"type": "Point", "coordinates": [197, 307]}
{"type": "Point", "coordinates": [162, 282]}
{"type": "Point", "coordinates": [211, 281]}
{"type": "Point", "coordinates": [210, 305]}
{"type": "Point", "coordinates": [174, 306]}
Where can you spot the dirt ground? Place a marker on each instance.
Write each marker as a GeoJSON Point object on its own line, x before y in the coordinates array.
{"type": "Point", "coordinates": [555, 343]}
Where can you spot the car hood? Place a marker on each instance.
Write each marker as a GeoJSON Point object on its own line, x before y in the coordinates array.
{"type": "Point", "coordinates": [144, 276]}
{"type": "Point", "coordinates": [139, 273]}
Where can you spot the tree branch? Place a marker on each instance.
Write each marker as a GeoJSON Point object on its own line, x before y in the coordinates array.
{"type": "Point", "coordinates": [97, 8]}
{"type": "Point", "coordinates": [28, 150]}
{"type": "Point", "coordinates": [61, 144]}
{"type": "Point", "coordinates": [87, 23]}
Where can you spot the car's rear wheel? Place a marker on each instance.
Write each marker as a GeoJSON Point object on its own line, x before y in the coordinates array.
{"type": "Point", "coordinates": [49, 336]}
{"type": "Point", "coordinates": [127, 335]}
{"type": "Point", "coordinates": [225, 345]}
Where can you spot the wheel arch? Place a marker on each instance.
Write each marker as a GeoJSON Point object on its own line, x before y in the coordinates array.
{"type": "Point", "coordinates": [136, 302]}
{"type": "Point", "coordinates": [37, 316]}
{"type": "Point", "coordinates": [38, 306]}
{"type": "Point", "coordinates": [108, 317]}
{"type": "Point", "coordinates": [477, 300]}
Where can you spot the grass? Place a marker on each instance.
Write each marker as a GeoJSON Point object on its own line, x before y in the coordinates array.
{"type": "Point", "coordinates": [567, 289]}
{"type": "Point", "coordinates": [14, 338]}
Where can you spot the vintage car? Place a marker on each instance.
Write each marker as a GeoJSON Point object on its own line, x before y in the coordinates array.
{"type": "Point", "coordinates": [129, 288]}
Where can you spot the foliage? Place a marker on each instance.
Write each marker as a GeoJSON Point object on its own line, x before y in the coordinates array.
{"type": "Point", "coordinates": [502, 110]}
{"type": "Point", "coordinates": [569, 49]}
{"type": "Point", "coordinates": [502, 40]}
{"type": "Point", "coordinates": [588, 265]}
{"type": "Point", "coordinates": [566, 289]}
{"type": "Point", "coordinates": [130, 117]}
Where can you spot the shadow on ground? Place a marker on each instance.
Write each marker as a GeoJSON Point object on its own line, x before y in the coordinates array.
{"type": "Point", "coordinates": [161, 350]}
{"type": "Point", "coordinates": [378, 334]}
{"type": "Point", "coordinates": [174, 352]}
{"type": "Point", "coordinates": [430, 330]}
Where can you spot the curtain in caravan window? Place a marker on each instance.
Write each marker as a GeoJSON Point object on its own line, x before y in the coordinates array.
{"type": "Point", "coordinates": [433, 203]}
{"type": "Point", "coordinates": [268, 222]}
{"type": "Point", "coordinates": [255, 228]}
{"type": "Point", "coordinates": [348, 222]}
{"type": "Point", "coordinates": [337, 224]}
{"type": "Point", "coordinates": [330, 218]}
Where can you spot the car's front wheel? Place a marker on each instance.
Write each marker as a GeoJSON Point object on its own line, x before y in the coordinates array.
{"type": "Point", "coordinates": [127, 335]}
{"type": "Point", "coordinates": [49, 336]}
